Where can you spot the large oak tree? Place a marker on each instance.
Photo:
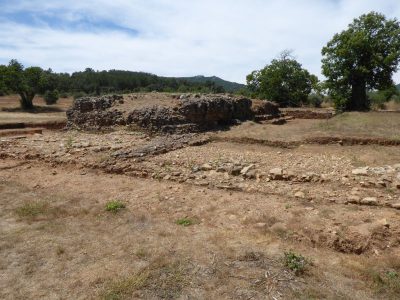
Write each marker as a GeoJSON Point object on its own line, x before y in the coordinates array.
{"type": "Point", "coordinates": [363, 57]}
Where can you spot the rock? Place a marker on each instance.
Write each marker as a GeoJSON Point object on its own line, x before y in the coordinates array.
{"type": "Point", "coordinates": [310, 176]}
{"type": "Point", "coordinates": [395, 205]}
{"type": "Point", "coordinates": [276, 173]}
{"type": "Point", "coordinates": [300, 195]}
{"type": "Point", "coordinates": [192, 114]}
{"type": "Point", "coordinates": [251, 174]}
{"type": "Point", "coordinates": [235, 171]}
{"type": "Point", "coordinates": [369, 201]}
{"type": "Point", "coordinates": [221, 169]}
{"type": "Point", "coordinates": [260, 225]}
{"type": "Point", "coordinates": [265, 108]}
{"type": "Point", "coordinates": [354, 199]}
{"type": "Point", "coordinates": [94, 112]}
{"type": "Point", "coordinates": [360, 171]}
{"type": "Point", "coordinates": [245, 170]}
{"type": "Point", "coordinates": [383, 222]}
{"type": "Point", "coordinates": [206, 167]}
{"type": "Point", "coordinates": [279, 121]}
{"type": "Point", "coordinates": [396, 184]}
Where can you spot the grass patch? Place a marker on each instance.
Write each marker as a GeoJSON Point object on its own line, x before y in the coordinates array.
{"type": "Point", "coordinates": [295, 262]}
{"type": "Point", "coordinates": [114, 206]}
{"type": "Point", "coordinates": [381, 275]}
{"type": "Point", "coordinates": [159, 280]}
{"type": "Point", "coordinates": [386, 283]}
{"type": "Point", "coordinates": [123, 288]}
{"type": "Point", "coordinates": [185, 222]}
{"type": "Point", "coordinates": [32, 209]}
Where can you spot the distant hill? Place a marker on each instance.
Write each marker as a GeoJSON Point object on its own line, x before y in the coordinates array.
{"type": "Point", "coordinates": [229, 86]}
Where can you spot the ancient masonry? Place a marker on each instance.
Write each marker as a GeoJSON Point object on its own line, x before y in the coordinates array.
{"type": "Point", "coordinates": [190, 113]}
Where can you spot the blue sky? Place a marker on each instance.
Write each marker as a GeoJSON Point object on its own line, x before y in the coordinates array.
{"type": "Point", "coordinates": [226, 38]}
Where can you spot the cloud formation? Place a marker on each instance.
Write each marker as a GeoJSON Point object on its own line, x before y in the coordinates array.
{"type": "Point", "coordinates": [175, 38]}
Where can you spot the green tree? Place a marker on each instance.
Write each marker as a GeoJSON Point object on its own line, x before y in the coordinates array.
{"type": "Point", "coordinates": [283, 81]}
{"type": "Point", "coordinates": [363, 57]}
{"type": "Point", "coordinates": [3, 87]}
{"type": "Point", "coordinates": [26, 82]}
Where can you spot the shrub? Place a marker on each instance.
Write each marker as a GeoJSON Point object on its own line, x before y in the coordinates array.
{"type": "Point", "coordinates": [114, 206]}
{"type": "Point", "coordinates": [64, 95]}
{"type": "Point", "coordinates": [51, 97]}
{"type": "Point", "coordinates": [315, 100]}
{"type": "Point", "coordinates": [79, 95]}
{"type": "Point", "coordinates": [295, 262]}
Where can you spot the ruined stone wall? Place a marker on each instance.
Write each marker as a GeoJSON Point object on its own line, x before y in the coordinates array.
{"type": "Point", "coordinates": [191, 113]}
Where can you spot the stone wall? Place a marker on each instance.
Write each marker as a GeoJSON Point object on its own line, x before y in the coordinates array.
{"type": "Point", "coordinates": [190, 114]}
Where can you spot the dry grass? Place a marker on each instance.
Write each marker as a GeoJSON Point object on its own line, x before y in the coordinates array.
{"type": "Point", "coordinates": [32, 209]}
{"type": "Point", "coordinates": [161, 279]}
{"type": "Point", "coordinates": [382, 274]}
{"type": "Point", "coordinates": [371, 124]}
{"type": "Point", "coordinates": [353, 124]}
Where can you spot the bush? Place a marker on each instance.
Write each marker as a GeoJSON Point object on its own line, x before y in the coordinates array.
{"type": "Point", "coordinates": [64, 95]}
{"type": "Point", "coordinates": [295, 262]}
{"type": "Point", "coordinates": [3, 92]}
{"type": "Point", "coordinates": [51, 97]}
{"type": "Point", "coordinates": [315, 100]}
{"type": "Point", "coordinates": [79, 95]}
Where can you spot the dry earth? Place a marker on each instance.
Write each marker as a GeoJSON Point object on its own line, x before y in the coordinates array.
{"type": "Point", "coordinates": [206, 216]}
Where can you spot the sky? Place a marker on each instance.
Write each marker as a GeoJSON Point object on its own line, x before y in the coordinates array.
{"type": "Point", "coordinates": [225, 38]}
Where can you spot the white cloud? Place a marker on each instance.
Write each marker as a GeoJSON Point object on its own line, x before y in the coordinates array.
{"type": "Point", "coordinates": [178, 38]}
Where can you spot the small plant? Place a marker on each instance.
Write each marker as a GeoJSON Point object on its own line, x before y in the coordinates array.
{"type": "Point", "coordinates": [69, 143]}
{"type": "Point", "coordinates": [114, 206]}
{"type": "Point", "coordinates": [32, 209]}
{"type": "Point", "coordinates": [295, 262]}
{"type": "Point", "coordinates": [185, 222]}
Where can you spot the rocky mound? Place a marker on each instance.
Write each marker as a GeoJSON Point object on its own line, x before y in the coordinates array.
{"type": "Point", "coordinates": [189, 114]}
{"type": "Point", "coordinates": [95, 112]}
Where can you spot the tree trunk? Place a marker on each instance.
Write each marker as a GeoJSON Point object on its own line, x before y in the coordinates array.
{"type": "Point", "coordinates": [358, 101]}
{"type": "Point", "coordinates": [26, 100]}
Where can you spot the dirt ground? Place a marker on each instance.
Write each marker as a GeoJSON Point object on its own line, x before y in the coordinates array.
{"type": "Point", "coordinates": [210, 220]}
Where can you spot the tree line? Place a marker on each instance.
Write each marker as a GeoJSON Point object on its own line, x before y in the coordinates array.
{"type": "Point", "coordinates": [30, 81]}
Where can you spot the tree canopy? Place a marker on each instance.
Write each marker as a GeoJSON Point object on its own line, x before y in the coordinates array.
{"type": "Point", "coordinates": [363, 57]}
{"type": "Point", "coordinates": [283, 81]}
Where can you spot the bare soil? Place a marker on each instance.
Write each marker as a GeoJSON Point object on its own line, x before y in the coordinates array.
{"type": "Point", "coordinates": [205, 220]}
